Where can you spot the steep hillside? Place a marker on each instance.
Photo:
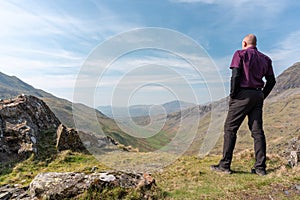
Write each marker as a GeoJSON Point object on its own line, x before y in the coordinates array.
{"type": "Point", "coordinates": [288, 79]}
{"type": "Point", "coordinates": [11, 86]}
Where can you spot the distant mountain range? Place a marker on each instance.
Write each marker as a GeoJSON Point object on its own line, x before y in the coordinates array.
{"type": "Point", "coordinates": [281, 114]}
{"type": "Point", "coordinates": [144, 110]}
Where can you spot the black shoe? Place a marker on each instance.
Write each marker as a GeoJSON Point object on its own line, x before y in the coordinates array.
{"type": "Point", "coordinates": [218, 168]}
{"type": "Point", "coordinates": [260, 172]}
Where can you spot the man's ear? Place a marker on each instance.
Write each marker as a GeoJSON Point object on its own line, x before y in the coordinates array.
{"type": "Point", "coordinates": [244, 43]}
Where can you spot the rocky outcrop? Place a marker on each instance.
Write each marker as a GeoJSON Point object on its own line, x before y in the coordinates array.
{"type": "Point", "coordinates": [22, 121]}
{"type": "Point", "coordinates": [69, 185]}
{"type": "Point", "coordinates": [292, 152]}
{"type": "Point", "coordinates": [14, 192]}
{"type": "Point", "coordinates": [68, 138]}
{"type": "Point", "coordinates": [79, 141]}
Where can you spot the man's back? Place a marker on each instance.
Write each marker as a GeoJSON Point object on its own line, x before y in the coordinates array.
{"type": "Point", "coordinates": [256, 65]}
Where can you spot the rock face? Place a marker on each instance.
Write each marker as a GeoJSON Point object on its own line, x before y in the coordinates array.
{"type": "Point", "coordinates": [57, 186]}
{"type": "Point", "coordinates": [14, 192]}
{"type": "Point", "coordinates": [68, 138]}
{"type": "Point", "coordinates": [79, 141]}
{"type": "Point", "coordinates": [292, 152]}
{"type": "Point", "coordinates": [22, 120]}
{"type": "Point", "coordinates": [69, 185]}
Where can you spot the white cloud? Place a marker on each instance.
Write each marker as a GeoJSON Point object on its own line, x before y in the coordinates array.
{"type": "Point", "coordinates": [195, 1]}
{"type": "Point", "coordinates": [45, 45]}
{"type": "Point", "coordinates": [52, 82]}
{"type": "Point", "coordinates": [238, 10]}
{"type": "Point", "coordinates": [32, 19]}
{"type": "Point", "coordinates": [286, 52]}
{"type": "Point", "coordinates": [245, 4]}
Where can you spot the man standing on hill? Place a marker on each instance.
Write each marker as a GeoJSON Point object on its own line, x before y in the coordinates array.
{"type": "Point", "coordinates": [247, 94]}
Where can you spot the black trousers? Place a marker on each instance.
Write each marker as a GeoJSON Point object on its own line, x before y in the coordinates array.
{"type": "Point", "coordinates": [245, 103]}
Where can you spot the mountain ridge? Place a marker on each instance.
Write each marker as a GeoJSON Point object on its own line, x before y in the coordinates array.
{"type": "Point", "coordinates": [11, 86]}
{"type": "Point", "coordinates": [144, 110]}
{"type": "Point", "coordinates": [288, 79]}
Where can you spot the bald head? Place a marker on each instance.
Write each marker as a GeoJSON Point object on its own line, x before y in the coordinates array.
{"type": "Point", "coordinates": [248, 41]}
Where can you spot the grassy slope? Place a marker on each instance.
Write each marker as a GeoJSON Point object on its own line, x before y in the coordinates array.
{"type": "Point", "coordinates": [280, 124]}
{"type": "Point", "coordinates": [187, 178]}
{"type": "Point", "coordinates": [191, 178]}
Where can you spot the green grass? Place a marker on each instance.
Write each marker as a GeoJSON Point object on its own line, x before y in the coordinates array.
{"type": "Point", "coordinates": [189, 177]}
{"type": "Point", "coordinates": [122, 193]}
{"type": "Point", "coordinates": [65, 161]}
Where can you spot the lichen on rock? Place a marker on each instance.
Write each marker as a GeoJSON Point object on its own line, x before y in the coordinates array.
{"type": "Point", "coordinates": [22, 121]}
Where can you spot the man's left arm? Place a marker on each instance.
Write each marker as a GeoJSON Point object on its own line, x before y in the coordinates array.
{"type": "Point", "coordinates": [269, 85]}
{"type": "Point", "coordinates": [270, 79]}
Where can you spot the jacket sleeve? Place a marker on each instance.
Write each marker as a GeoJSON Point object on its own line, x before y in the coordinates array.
{"type": "Point", "coordinates": [235, 82]}
{"type": "Point", "coordinates": [269, 85]}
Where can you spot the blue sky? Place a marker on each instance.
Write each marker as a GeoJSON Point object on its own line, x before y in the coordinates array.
{"type": "Point", "coordinates": [45, 43]}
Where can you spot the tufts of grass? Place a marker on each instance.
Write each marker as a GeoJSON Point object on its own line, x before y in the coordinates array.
{"type": "Point", "coordinates": [65, 161]}
{"type": "Point", "coordinates": [122, 193]}
{"type": "Point", "coordinates": [191, 178]}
